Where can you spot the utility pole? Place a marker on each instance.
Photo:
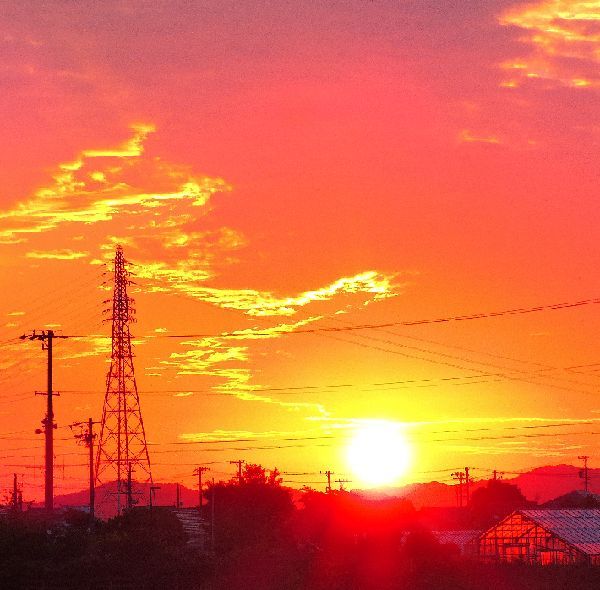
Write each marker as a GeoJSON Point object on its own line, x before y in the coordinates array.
{"type": "Point", "coordinates": [87, 438]}
{"type": "Point", "coordinates": [198, 471]}
{"type": "Point", "coordinates": [16, 504]}
{"type": "Point", "coordinates": [129, 488]}
{"type": "Point", "coordinates": [327, 473]}
{"type": "Point", "coordinates": [342, 482]}
{"type": "Point", "coordinates": [177, 497]}
{"type": "Point", "coordinates": [584, 474]}
{"type": "Point", "coordinates": [239, 464]}
{"type": "Point", "coordinates": [212, 516]}
{"type": "Point", "coordinates": [152, 490]}
{"type": "Point", "coordinates": [459, 476]}
{"type": "Point", "coordinates": [467, 481]}
{"type": "Point", "coordinates": [46, 337]}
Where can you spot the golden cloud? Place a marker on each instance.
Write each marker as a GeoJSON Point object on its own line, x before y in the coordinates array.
{"type": "Point", "coordinates": [184, 278]}
{"type": "Point", "coordinates": [107, 185]}
{"type": "Point", "coordinates": [64, 254]}
{"type": "Point", "coordinates": [565, 39]}
{"type": "Point", "coordinates": [467, 136]}
{"type": "Point", "coordinates": [154, 208]}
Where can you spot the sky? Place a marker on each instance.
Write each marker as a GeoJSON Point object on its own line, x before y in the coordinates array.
{"type": "Point", "coordinates": [302, 190]}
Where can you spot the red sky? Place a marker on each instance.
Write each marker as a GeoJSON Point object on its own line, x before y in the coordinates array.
{"type": "Point", "coordinates": [278, 166]}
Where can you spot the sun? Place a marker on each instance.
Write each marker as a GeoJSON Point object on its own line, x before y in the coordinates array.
{"type": "Point", "coordinates": [378, 454]}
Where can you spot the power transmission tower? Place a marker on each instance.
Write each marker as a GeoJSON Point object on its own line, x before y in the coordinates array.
{"type": "Point", "coordinates": [122, 444]}
{"type": "Point", "coordinates": [584, 474]}
{"type": "Point", "coordinates": [87, 439]}
{"type": "Point", "coordinates": [239, 464]}
{"type": "Point", "coordinates": [327, 473]}
{"type": "Point", "coordinates": [198, 471]}
{"type": "Point", "coordinates": [47, 337]}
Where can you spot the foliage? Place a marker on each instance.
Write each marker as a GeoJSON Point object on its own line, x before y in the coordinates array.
{"type": "Point", "coordinates": [495, 501]}
{"type": "Point", "coordinates": [254, 511]}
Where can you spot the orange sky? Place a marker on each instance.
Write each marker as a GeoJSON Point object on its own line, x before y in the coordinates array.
{"type": "Point", "coordinates": [274, 167]}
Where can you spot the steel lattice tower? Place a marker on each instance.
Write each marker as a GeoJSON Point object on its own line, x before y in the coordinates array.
{"type": "Point", "coordinates": [122, 447]}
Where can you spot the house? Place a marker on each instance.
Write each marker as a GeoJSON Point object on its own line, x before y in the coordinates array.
{"type": "Point", "coordinates": [544, 537]}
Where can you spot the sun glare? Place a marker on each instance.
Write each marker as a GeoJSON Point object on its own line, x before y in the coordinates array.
{"type": "Point", "coordinates": [378, 454]}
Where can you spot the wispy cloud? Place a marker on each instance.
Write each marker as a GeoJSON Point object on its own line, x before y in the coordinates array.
{"type": "Point", "coordinates": [467, 136]}
{"type": "Point", "coordinates": [155, 208]}
{"type": "Point", "coordinates": [64, 254]}
{"type": "Point", "coordinates": [185, 276]}
{"type": "Point", "coordinates": [102, 185]}
{"type": "Point", "coordinates": [564, 37]}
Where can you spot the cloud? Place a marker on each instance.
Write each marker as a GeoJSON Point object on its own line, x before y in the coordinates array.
{"type": "Point", "coordinates": [156, 209]}
{"type": "Point", "coordinates": [186, 275]}
{"type": "Point", "coordinates": [220, 435]}
{"type": "Point", "coordinates": [467, 136]}
{"type": "Point", "coordinates": [110, 185]}
{"type": "Point", "coordinates": [564, 38]}
{"type": "Point", "coordinates": [64, 254]}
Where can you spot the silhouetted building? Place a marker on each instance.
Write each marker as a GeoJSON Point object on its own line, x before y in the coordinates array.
{"type": "Point", "coordinates": [544, 537]}
{"type": "Point", "coordinates": [466, 541]}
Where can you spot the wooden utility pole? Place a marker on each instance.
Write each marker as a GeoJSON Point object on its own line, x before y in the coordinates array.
{"type": "Point", "coordinates": [467, 481]}
{"type": "Point", "coordinates": [198, 471]}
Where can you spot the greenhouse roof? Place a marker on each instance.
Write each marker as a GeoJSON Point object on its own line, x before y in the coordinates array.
{"type": "Point", "coordinates": [579, 528]}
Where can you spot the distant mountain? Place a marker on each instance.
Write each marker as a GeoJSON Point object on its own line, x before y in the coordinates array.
{"type": "Point", "coordinates": [540, 485]}
{"type": "Point", "coordinates": [545, 483]}
{"type": "Point", "coordinates": [106, 501]}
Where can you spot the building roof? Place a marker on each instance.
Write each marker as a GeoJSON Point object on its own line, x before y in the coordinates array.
{"type": "Point", "coordinates": [457, 537]}
{"type": "Point", "coordinates": [579, 528]}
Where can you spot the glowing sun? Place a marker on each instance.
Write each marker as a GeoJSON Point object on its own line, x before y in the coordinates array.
{"type": "Point", "coordinates": [378, 454]}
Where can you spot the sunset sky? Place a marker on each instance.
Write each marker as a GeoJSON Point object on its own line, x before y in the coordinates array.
{"type": "Point", "coordinates": [278, 172]}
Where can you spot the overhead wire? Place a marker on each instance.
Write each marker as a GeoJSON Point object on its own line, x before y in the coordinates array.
{"type": "Point", "coordinates": [456, 318]}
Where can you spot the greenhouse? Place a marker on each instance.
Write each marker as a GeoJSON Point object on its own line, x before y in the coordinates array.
{"type": "Point", "coordinates": [544, 537]}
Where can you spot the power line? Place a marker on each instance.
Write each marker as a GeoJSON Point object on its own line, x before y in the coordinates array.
{"type": "Point", "coordinates": [243, 333]}
{"type": "Point", "coordinates": [457, 318]}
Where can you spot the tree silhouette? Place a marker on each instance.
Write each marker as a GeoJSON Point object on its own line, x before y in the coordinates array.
{"type": "Point", "coordinates": [495, 501]}
{"type": "Point", "coordinates": [253, 513]}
